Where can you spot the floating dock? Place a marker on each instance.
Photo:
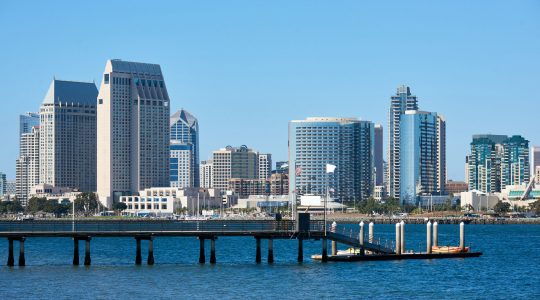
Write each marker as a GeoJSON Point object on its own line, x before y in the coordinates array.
{"type": "Point", "coordinates": [356, 257]}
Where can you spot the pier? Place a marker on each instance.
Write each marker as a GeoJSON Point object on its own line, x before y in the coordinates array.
{"type": "Point", "coordinates": [204, 230]}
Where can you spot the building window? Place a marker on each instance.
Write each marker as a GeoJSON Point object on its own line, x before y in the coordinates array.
{"type": "Point", "coordinates": [100, 101]}
{"type": "Point", "coordinates": [106, 78]}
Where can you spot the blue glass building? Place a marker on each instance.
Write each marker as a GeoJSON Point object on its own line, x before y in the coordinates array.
{"type": "Point", "coordinates": [184, 134]}
{"type": "Point", "coordinates": [347, 143]}
{"type": "Point", "coordinates": [422, 148]}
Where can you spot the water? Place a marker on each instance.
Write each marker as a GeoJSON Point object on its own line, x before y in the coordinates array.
{"type": "Point", "coordinates": [510, 267]}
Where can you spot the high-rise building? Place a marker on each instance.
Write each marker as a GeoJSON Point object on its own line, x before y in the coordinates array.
{"type": "Point", "coordinates": [206, 173]}
{"type": "Point", "coordinates": [441, 155]}
{"type": "Point", "coordinates": [265, 166]}
{"type": "Point", "coordinates": [181, 165]}
{"type": "Point", "coordinates": [536, 163]}
{"type": "Point", "coordinates": [133, 133]}
{"type": "Point", "coordinates": [3, 184]}
{"type": "Point", "coordinates": [401, 102]}
{"type": "Point", "coordinates": [185, 134]}
{"type": "Point", "coordinates": [11, 187]}
{"type": "Point", "coordinates": [231, 162]}
{"type": "Point", "coordinates": [347, 143]}
{"type": "Point", "coordinates": [515, 168]}
{"type": "Point", "coordinates": [68, 136]}
{"type": "Point", "coordinates": [27, 166]}
{"type": "Point", "coordinates": [378, 160]}
{"type": "Point", "coordinates": [282, 167]}
{"type": "Point", "coordinates": [420, 157]}
{"type": "Point", "coordinates": [497, 161]}
{"type": "Point", "coordinates": [27, 121]}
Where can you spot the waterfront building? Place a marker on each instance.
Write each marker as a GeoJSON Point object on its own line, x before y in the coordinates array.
{"type": "Point", "coordinates": [231, 162]}
{"type": "Point", "coordinates": [68, 135]}
{"type": "Point", "coordinates": [379, 193]}
{"type": "Point", "coordinates": [400, 103]}
{"type": "Point", "coordinates": [265, 166]}
{"type": "Point", "coordinates": [27, 121]}
{"type": "Point", "coordinates": [478, 201]}
{"type": "Point", "coordinates": [347, 143]}
{"type": "Point", "coordinates": [11, 187]}
{"type": "Point", "coordinates": [3, 184]}
{"type": "Point", "coordinates": [420, 157]}
{"type": "Point", "coordinates": [515, 168]}
{"type": "Point", "coordinates": [496, 161]}
{"type": "Point", "coordinates": [185, 135]}
{"type": "Point", "coordinates": [247, 187]}
{"type": "Point", "coordinates": [378, 160]}
{"type": "Point", "coordinates": [27, 165]}
{"type": "Point", "coordinates": [61, 194]}
{"type": "Point", "coordinates": [536, 163]}
{"type": "Point", "coordinates": [282, 167]}
{"type": "Point", "coordinates": [181, 164]}
{"type": "Point", "coordinates": [166, 201]}
{"type": "Point", "coordinates": [206, 173]}
{"type": "Point", "coordinates": [456, 187]}
{"type": "Point", "coordinates": [133, 134]}
{"type": "Point", "coordinates": [279, 184]}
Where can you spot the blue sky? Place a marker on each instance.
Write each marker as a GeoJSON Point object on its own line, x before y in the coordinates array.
{"type": "Point", "coordinates": [245, 68]}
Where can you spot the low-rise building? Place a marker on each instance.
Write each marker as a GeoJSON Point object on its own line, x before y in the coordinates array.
{"type": "Point", "coordinates": [456, 187]}
{"type": "Point", "coordinates": [478, 200]}
{"type": "Point", "coordinates": [50, 192]}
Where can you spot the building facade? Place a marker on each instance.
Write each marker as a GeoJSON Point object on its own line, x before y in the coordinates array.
{"type": "Point", "coordinates": [27, 121]}
{"type": "Point", "coordinates": [282, 167]}
{"type": "Point", "coordinates": [27, 165]}
{"type": "Point", "coordinates": [265, 165]}
{"type": "Point", "coordinates": [420, 157]}
{"type": "Point", "coordinates": [378, 160]}
{"type": "Point", "coordinates": [515, 168]}
{"type": "Point", "coordinates": [181, 165]}
{"type": "Point", "coordinates": [401, 102]}
{"type": "Point", "coordinates": [347, 143]}
{"type": "Point", "coordinates": [231, 162]}
{"type": "Point", "coordinates": [68, 136]}
{"type": "Point", "coordinates": [206, 173]}
{"type": "Point", "coordinates": [3, 184]}
{"type": "Point", "coordinates": [133, 133]}
{"type": "Point", "coordinates": [185, 133]}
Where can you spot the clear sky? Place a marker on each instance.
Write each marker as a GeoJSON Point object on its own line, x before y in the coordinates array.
{"type": "Point", "coordinates": [245, 68]}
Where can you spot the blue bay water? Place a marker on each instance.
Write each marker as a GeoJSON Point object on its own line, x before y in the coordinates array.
{"type": "Point", "coordinates": [510, 267]}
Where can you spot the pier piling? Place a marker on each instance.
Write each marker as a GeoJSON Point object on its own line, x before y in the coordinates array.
{"type": "Point", "coordinates": [213, 250]}
{"type": "Point", "coordinates": [334, 243]}
{"type": "Point", "coordinates": [361, 238]}
{"type": "Point", "coordinates": [22, 260]}
{"type": "Point", "coordinates": [462, 236]}
{"type": "Point", "coordinates": [435, 234]}
{"type": "Point", "coordinates": [87, 259]}
{"type": "Point", "coordinates": [300, 250]}
{"type": "Point", "coordinates": [402, 224]}
{"type": "Point", "coordinates": [202, 258]}
{"type": "Point", "coordinates": [270, 251]}
{"type": "Point", "coordinates": [428, 237]}
{"type": "Point", "coordinates": [324, 256]}
{"type": "Point", "coordinates": [258, 250]}
{"type": "Point", "coordinates": [370, 232]}
{"type": "Point", "coordinates": [11, 259]}
{"type": "Point", "coordinates": [150, 260]}
{"type": "Point", "coordinates": [75, 251]}
{"type": "Point", "coordinates": [398, 238]}
{"type": "Point", "coordinates": [138, 256]}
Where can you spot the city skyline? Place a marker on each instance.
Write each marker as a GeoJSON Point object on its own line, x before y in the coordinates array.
{"type": "Point", "coordinates": [300, 84]}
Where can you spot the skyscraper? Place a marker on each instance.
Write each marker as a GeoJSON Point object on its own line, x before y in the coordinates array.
{"type": "Point", "coordinates": [378, 155]}
{"type": "Point", "coordinates": [3, 184]}
{"type": "Point", "coordinates": [27, 121]}
{"type": "Point", "coordinates": [536, 163]}
{"type": "Point", "coordinates": [133, 133]}
{"type": "Point", "coordinates": [401, 102]}
{"type": "Point", "coordinates": [27, 166]}
{"type": "Point", "coordinates": [441, 155]}
{"type": "Point", "coordinates": [265, 165]}
{"type": "Point", "coordinates": [231, 162]}
{"type": "Point", "coordinates": [420, 159]}
{"type": "Point", "coordinates": [185, 134]}
{"type": "Point", "coordinates": [181, 165]}
{"type": "Point", "coordinates": [515, 168]}
{"type": "Point", "coordinates": [68, 135]}
{"type": "Point", "coordinates": [347, 143]}
{"type": "Point", "coordinates": [206, 174]}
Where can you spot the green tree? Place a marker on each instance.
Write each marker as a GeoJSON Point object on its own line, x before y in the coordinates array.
{"type": "Point", "coordinates": [535, 207]}
{"type": "Point", "coordinates": [36, 204]}
{"type": "Point", "coordinates": [86, 203]}
{"type": "Point", "coordinates": [502, 207]}
{"type": "Point", "coordinates": [53, 207]}
{"type": "Point", "coordinates": [119, 206]}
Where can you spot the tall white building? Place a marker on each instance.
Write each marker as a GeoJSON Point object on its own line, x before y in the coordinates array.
{"type": "Point", "coordinates": [206, 173]}
{"type": "Point", "coordinates": [27, 121]}
{"type": "Point", "coordinates": [401, 102]}
{"type": "Point", "coordinates": [181, 165]}
{"type": "Point", "coordinates": [232, 162]}
{"type": "Point", "coordinates": [184, 145]}
{"type": "Point", "coordinates": [27, 166]}
{"type": "Point", "coordinates": [132, 130]}
{"type": "Point", "coordinates": [265, 166]}
{"type": "Point", "coordinates": [68, 136]}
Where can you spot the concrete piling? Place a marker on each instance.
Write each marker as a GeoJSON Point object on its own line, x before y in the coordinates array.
{"type": "Point", "coordinates": [398, 238]}
{"type": "Point", "coordinates": [213, 250]}
{"type": "Point", "coordinates": [22, 260]}
{"type": "Point", "coordinates": [334, 243]}
{"type": "Point", "coordinates": [11, 259]}
{"type": "Point", "coordinates": [370, 236]}
{"type": "Point", "coordinates": [202, 257]}
{"type": "Point", "coordinates": [435, 233]}
{"type": "Point", "coordinates": [300, 250]}
{"type": "Point", "coordinates": [75, 251]}
{"type": "Point", "coordinates": [462, 236]}
{"type": "Point", "coordinates": [324, 256]}
{"type": "Point", "coordinates": [270, 251]}
{"type": "Point", "coordinates": [138, 256]}
{"type": "Point", "coordinates": [87, 259]}
{"type": "Point", "coordinates": [361, 238]}
{"type": "Point", "coordinates": [402, 225]}
{"type": "Point", "coordinates": [150, 260]}
{"type": "Point", "coordinates": [428, 237]}
{"type": "Point", "coordinates": [258, 250]}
